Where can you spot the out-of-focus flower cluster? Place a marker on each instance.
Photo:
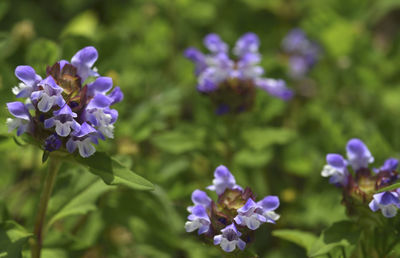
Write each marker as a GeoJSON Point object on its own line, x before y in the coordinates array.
{"type": "Point", "coordinates": [303, 53]}
{"type": "Point", "coordinates": [231, 221]}
{"type": "Point", "coordinates": [231, 83]}
{"type": "Point", "coordinates": [63, 110]}
{"type": "Point", "coordinates": [362, 184]}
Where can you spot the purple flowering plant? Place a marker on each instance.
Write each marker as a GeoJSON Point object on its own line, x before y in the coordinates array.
{"type": "Point", "coordinates": [66, 113]}
{"type": "Point", "coordinates": [303, 53]}
{"type": "Point", "coordinates": [375, 187]}
{"type": "Point", "coordinates": [229, 222]}
{"type": "Point", "coordinates": [371, 196]}
{"type": "Point", "coordinates": [231, 83]}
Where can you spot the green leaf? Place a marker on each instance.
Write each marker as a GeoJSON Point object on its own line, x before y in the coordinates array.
{"type": "Point", "coordinates": [260, 138]}
{"type": "Point", "coordinates": [343, 234]}
{"type": "Point", "coordinates": [13, 237]}
{"type": "Point", "coordinates": [389, 188]}
{"type": "Point", "coordinates": [77, 199]}
{"type": "Point", "coordinates": [301, 238]}
{"type": "Point", "coordinates": [112, 172]}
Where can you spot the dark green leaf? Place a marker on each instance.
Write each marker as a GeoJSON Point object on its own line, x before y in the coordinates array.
{"type": "Point", "coordinates": [389, 188]}
{"type": "Point", "coordinates": [13, 237]}
{"type": "Point", "coordinates": [112, 172]}
{"type": "Point", "coordinates": [301, 238]}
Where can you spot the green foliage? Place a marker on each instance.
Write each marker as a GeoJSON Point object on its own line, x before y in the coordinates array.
{"type": "Point", "coordinates": [112, 172]}
{"type": "Point", "coordinates": [168, 133]}
{"type": "Point", "coordinates": [13, 237]}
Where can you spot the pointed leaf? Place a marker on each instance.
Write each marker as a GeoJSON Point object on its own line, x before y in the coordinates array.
{"type": "Point", "coordinates": [112, 172]}
{"type": "Point", "coordinates": [301, 238]}
{"type": "Point", "coordinates": [13, 237]}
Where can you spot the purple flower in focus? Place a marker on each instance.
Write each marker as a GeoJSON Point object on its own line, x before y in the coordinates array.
{"type": "Point", "coordinates": [198, 220]}
{"type": "Point", "coordinates": [229, 239]}
{"type": "Point", "coordinates": [358, 154]}
{"type": "Point", "coordinates": [268, 206]}
{"type": "Point", "coordinates": [387, 202]}
{"type": "Point", "coordinates": [22, 118]}
{"type": "Point", "coordinates": [29, 80]}
{"type": "Point", "coordinates": [249, 215]}
{"type": "Point", "coordinates": [200, 198]}
{"type": "Point", "coordinates": [223, 179]}
{"type": "Point", "coordinates": [336, 169]}
{"type": "Point", "coordinates": [67, 114]}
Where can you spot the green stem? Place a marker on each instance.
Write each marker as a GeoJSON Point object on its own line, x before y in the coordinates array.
{"type": "Point", "coordinates": [54, 166]}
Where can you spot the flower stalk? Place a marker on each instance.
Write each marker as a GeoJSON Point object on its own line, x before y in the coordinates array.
{"type": "Point", "coordinates": [54, 166]}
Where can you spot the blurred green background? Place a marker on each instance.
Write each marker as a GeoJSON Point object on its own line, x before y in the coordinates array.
{"type": "Point", "coordinates": [169, 134]}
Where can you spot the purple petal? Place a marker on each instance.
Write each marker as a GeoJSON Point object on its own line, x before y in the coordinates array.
{"type": "Point", "coordinates": [222, 172]}
{"type": "Point", "coordinates": [249, 205]}
{"type": "Point", "coordinates": [99, 101]}
{"type": "Point", "coordinates": [86, 56]}
{"type": "Point", "coordinates": [200, 212]}
{"type": "Point", "coordinates": [336, 161]}
{"type": "Point", "coordinates": [389, 198]}
{"type": "Point", "coordinates": [71, 145]}
{"type": "Point", "coordinates": [390, 164]}
{"type": "Point", "coordinates": [274, 87]}
{"type": "Point", "coordinates": [101, 84]}
{"type": "Point", "coordinates": [27, 75]}
{"type": "Point", "coordinates": [65, 110]}
{"type": "Point", "coordinates": [85, 130]}
{"type": "Point", "coordinates": [358, 154]}
{"type": "Point", "coordinates": [116, 95]}
{"type": "Point", "coordinates": [214, 43]}
{"type": "Point", "coordinates": [200, 197]}
{"type": "Point", "coordinates": [248, 43]}
{"type": "Point", "coordinates": [18, 109]}
{"type": "Point", "coordinates": [269, 203]}
{"type": "Point", "coordinates": [62, 63]}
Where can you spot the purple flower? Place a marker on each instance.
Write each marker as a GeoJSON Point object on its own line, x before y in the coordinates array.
{"type": "Point", "coordinates": [229, 239]}
{"type": "Point", "coordinates": [223, 179]}
{"type": "Point", "coordinates": [83, 60]}
{"type": "Point", "coordinates": [274, 87]}
{"type": "Point", "coordinates": [302, 51]}
{"type": "Point", "coordinates": [336, 169]}
{"type": "Point", "coordinates": [52, 143]}
{"type": "Point", "coordinates": [389, 165]}
{"type": "Point", "coordinates": [358, 154]}
{"type": "Point", "coordinates": [49, 96]}
{"type": "Point", "coordinates": [216, 72]}
{"type": "Point", "coordinates": [29, 80]}
{"type": "Point", "coordinates": [22, 119]}
{"type": "Point", "coordinates": [248, 43]}
{"type": "Point", "coordinates": [249, 215]}
{"type": "Point", "coordinates": [387, 202]}
{"type": "Point", "coordinates": [200, 198]}
{"type": "Point", "coordinates": [214, 43]}
{"type": "Point", "coordinates": [83, 140]}
{"type": "Point", "coordinates": [198, 220]}
{"type": "Point", "coordinates": [64, 121]}
{"type": "Point", "coordinates": [67, 113]}
{"type": "Point", "coordinates": [268, 206]}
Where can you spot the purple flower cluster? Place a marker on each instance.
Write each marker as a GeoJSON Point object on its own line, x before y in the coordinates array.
{"type": "Point", "coordinates": [302, 51]}
{"type": "Point", "coordinates": [231, 221]}
{"type": "Point", "coordinates": [223, 79]}
{"type": "Point", "coordinates": [63, 109]}
{"type": "Point", "coordinates": [363, 183]}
